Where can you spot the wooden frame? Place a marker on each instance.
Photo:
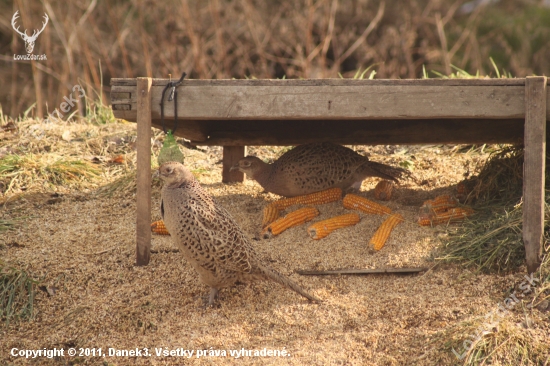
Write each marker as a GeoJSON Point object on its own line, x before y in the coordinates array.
{"type": "Point", "coordinates": [237, 113]}
{"type": "Point", "coordinates": [143, 219]}
{"type": "Point", "coordinates": [534, 170]}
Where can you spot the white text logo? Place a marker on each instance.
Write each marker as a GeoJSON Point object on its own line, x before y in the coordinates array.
{"type": "Point", "coordinates": [29, 40]}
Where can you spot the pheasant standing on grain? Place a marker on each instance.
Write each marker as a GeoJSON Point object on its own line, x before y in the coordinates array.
{"type": "Point", "coordinates": [208, 236]}
{"type": "Point", "coordinates": [314, 167]}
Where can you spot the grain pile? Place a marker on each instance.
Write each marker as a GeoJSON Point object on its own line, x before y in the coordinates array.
{"type": "Point", "coordinates": [82, 247]}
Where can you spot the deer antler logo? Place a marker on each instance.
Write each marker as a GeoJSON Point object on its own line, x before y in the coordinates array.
{"type": "Point", "coordinates": [29, 41]}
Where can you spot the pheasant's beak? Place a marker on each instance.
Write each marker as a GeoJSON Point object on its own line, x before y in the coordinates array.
{"type": "Point", "coordinates": [234, 167]}
{"type": "Point", "coordinates": [156, 174]}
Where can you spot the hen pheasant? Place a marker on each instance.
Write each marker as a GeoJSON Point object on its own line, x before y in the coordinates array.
{"type": "Point", "coordinates": [209, 238]}
{"type": "Point", "coordinates": [315, 167]}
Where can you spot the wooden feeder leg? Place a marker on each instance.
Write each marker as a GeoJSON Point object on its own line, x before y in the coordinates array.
{"type": "Point", "coordinates": [231, 155]}
{"type": "Point", "coordinates": [534, 169]}
{"type": "Point", "coordinates": [143, 225]}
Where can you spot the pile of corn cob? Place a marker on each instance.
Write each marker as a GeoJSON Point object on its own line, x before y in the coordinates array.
{"type": "Point", "coordinates": [442, 210]}
{"type": "Point", "coordinates": [378, 240]}
{"type": "Point", "coordinates": [273, 225]}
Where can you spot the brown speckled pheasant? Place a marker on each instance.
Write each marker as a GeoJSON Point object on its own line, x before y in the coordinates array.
{"type": "Point", "coordinates": [208, 236]}
{"type": "Point", "coordinates": [314, 167]}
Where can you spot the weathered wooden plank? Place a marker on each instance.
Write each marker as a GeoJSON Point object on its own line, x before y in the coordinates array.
{"type": "Point", "coordinates": [534, 169]}
{"type": "Point", "coordinates": [123, 101]}
{"type": "Point", "coordinates": [441, 82]}
{"type": "Point", "coordinates": [284, 132]}
{"type": "Point", "coordinates": [340, 102]}
{"type": "Point", "coordinates": [365, 132]}
{"type": "Point", "coordinates": [231, 155]}
{"type": "Point", "coordinates": [191, 130]}
{"type": "Point", "coordinates": [123, 88]}
{"type": "Point", "coordinates": [124, 82]}
{"type": "Point", "coordinates": [143, 220]}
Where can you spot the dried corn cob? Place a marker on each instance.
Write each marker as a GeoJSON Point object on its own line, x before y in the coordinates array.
{"type": "Point", "coordinates": [425, 219]}
{"type": "Point", "coordinates": [381, 235]}
{"type": "Point", "coordinates": [293, 218]}
{"type": "Point", "coordinates": [383, 190]}
{"type": "Point", "coordinates": [271, 213]}
{"type": "Point", "coordinates": [322, 228]}
{"type": "Point", "coordinates": [317, 198]}
{"type": "Point", "coordinates": [353, 202]}
{"type": "Point", "coordinates": [158, 228]}
{"type": "Point", "coordinates": [452, 215]}
{"type": "Point", "coordinates": [440, 203]}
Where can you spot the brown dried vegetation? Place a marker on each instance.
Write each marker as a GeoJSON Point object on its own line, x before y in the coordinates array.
{"type": "Point", "coordinates": [263, 39]}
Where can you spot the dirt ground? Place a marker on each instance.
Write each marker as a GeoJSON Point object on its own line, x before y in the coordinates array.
{"type": "Point", "coordinates": [82, 247]}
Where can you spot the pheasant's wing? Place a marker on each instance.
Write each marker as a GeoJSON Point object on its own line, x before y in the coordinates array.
{"type": "Point", "coordinates": [219, 234]}
{"type": "Point", "coordinates": [317, 166]}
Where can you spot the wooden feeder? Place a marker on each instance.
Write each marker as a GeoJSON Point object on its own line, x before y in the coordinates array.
{"type": "Point", "coordinates": [237, 113]}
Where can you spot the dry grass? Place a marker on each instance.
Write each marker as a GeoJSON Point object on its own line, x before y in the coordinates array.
{"type": "Point", "coordinates": [7, 225]}
{"type": "Point", "coordinates": [501, 178]}
{"type": "Point", "coordinates": [492, 241]}
{"type": "Point", "coordinates": [17, 293]}
{"type": "Point", "coordinates": [514, 333]}
{"type": "Point", "coordinates": [20, 172]}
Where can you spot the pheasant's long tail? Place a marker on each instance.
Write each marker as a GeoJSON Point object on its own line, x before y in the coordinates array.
{"type": "Point", "coordinates": [279, 278]}
{"type": "Point", "coordinates": [374, 169]}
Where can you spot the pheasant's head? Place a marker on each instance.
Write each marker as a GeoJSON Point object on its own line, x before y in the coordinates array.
{"type": "Point", "coordinates": [251, 166]}
{"type": "Point", "coordinates": [173, 173]}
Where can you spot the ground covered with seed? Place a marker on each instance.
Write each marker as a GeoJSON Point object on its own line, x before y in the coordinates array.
{"type": "Point", "coordinates": [80, 244]}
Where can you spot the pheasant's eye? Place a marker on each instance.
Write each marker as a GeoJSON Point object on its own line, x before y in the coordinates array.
{"type": "Point", "coordinates": [246, 164]}
{"type": "Point", "coordinates": [169, 170]}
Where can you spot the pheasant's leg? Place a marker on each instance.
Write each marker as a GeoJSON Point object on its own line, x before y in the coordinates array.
{"type": "Point", "coordinates": [213, 296]}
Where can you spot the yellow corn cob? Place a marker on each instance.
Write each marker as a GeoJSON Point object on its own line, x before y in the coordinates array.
{"type": "Point", "coordinates": [452, 215]}
{"type": "Point", "coordinates": [440, 203]}
{"type": "Point", "coordinates": [317, 198]}
{"type": "Point", "coordinates": [293, 218]}
{"type": "Point", "coordinates": [322, 228]}
{"type": "Point", "coordinates": [425, 219]}
{"type": "Point", "coordinates": [158, 228]}
{"type": "Point", "coordinates": [353, 202]}
{"type": "Point", "coordinates": [383, 190]}
{"type": "Point", "coordinates": [381, 235]}
{"type": "Point", "coordinates": [271, 213]}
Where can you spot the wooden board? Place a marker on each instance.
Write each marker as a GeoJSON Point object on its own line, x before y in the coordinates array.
{"type": "Point", "coordinates": [131, 82]}
{"type": "Point", "coordinates": [363, 132]}
{"type": "Point", "coordinates": [143, 219]}
{"type": "Point", "coordinates": [123, 100]}
{"type": "Point", "coordinates": [534, 170]}
{"type": "Point", "coordinates": [328, 102]}
{"type": "Point", "coordinates": [231, 155]}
